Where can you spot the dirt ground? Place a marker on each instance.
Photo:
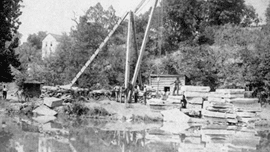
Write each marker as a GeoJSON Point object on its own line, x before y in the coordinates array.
{"type": "Point", "coordinates": [138, 110]}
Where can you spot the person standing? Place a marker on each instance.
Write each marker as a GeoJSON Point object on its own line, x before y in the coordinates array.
{"type": "Point", "coordinates": [5, 92]}
{"type": "Point", "coordinates": [116, 90]}
{"type": "Point", "coordinates": [177, 84]}
{"type": "Point", "coordinates": [144, 94]}
{"type": "Point", "coordinates": [136, 93]}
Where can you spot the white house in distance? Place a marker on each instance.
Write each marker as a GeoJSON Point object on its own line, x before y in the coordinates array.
{"type": "Point", "coordinates": [49, 45]}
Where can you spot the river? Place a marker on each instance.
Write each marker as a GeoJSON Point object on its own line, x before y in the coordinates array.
{"type": "Point", "coordinates": [21, 134]}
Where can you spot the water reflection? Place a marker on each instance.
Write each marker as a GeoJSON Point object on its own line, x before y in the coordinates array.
{"type": "Point", "coordinates": [25, 135]}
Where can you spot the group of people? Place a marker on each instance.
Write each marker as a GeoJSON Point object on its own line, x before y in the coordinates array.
{"type": "Point", "coordinates": [134, 91]}
{"type": "Point", "coordinates": [130, 91]}
{"type": "Point", "coordinates": [4, 90]}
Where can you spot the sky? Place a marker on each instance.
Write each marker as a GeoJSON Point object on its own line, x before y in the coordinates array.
{"type": "Point", "coordinates": [54, 16]}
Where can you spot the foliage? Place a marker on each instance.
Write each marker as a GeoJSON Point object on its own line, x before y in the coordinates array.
{"type": "Point", "coordinates": [74, 50]}
{"type": "Point", "coordinates": [187, 20]}
{"type": "Point", "coordinates": [36, 39]}
{"type": "Point", "coordinates": [267, 14]}
{"type": "Point", "coordinates": [211, 42]}
{"type": "Point", "coordinates": [10, 11]}
{"type": "Point", "coordinates": [20, 77]}
{"type": "Point", "coordinates": [8, 57]}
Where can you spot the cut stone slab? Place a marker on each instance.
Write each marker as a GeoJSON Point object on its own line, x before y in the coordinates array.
{"type": "Point", "coordinates": [44, 110]}
{"type": "Point", "coordinates": [224, 95]}
{"type": "Point", "coordinates": [216, 99]}
{"type": "Point", "coordinates": [255, 107]}
{"type": "Point", "coordinates": [246, 114]}
{"type": "Point", "coordinates": [195, 100]}
{"type": "Point", "coordinates": [195, 88]}
{"type": "Point", "coordinates": [244, 100]}
{"type": "Point", "coordinates": [217, 114]}
{"type": "Point", "coordinates": [231, 91]}
{"type": "Point", "coordinates": [174, 99]}
{"type": "Point", "coordinates": [154, 101]}
{"type": "Point", "coordinates": [53, 102]}
{"type": "Point", "coordinates": [196, 94]}
{"type": "Point", "coordinates": [44, 119]}
{"type": "Point", "coordinates": [194, 106]}
{"type": "Point", "coordinates": [175, 115]}
{"type": "Point", "coordinates": [174, 127]}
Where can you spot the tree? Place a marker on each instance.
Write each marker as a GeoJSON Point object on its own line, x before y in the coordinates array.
{"type": "Point", "coordinates": [187, 20]}
{"type": "Point", "coordinates": [74, 50]}
{"type": "Point", "coordinates": [36, 39]}
{"type": "Point", "coordinates": [267, 14]}
{"type": "Point", "coordinates": [10, 11]}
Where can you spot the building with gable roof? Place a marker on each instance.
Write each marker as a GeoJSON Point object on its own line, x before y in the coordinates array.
{"type": "Point", "coordinates": [49, 45]}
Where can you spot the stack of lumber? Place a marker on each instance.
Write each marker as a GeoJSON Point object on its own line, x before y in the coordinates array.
{"type": "Point", "coordinates": [247, 109]}
{"type": "Point", "coordinates": [194, 96]}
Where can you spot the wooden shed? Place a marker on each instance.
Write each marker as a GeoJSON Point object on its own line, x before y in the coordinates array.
{"type": "Point", "coordinates": [32, 88]}
{"type": "Point", "coordinates": [164, 82]}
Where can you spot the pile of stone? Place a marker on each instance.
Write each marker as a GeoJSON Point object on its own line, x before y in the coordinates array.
{"type": "Point", "coordinates": [230, 105]}
{"type": "Point", "coordinates": [194, 96]}
{"type": "Point", "coordinates": [64, 93]}
{"type": "Point", "coordinates": [229, 138]}
{"type": "Point", "coordinates": [247, 109]}
{"type": "Point", "coordinates": [45, 112]}
{"type": "Point", "coordinates": [218, 111]}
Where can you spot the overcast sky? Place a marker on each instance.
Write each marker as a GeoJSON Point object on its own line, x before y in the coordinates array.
{"type": "Point", "coordinates": [54, 16]}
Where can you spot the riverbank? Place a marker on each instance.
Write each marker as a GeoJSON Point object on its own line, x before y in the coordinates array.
{"type": "Point", "coordinates": [103, 110]}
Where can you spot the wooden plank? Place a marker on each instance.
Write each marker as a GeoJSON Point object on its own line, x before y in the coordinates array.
{"type": "Point", "coordinates": [127, 71]}
{"type": "Point", "coordinates": [135, 45]}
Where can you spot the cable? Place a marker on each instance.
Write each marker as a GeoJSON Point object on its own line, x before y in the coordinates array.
{"type": "Point", "coordinates": [142, 7]}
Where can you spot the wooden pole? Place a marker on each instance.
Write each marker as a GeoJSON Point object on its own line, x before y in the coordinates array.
{"type": "Point", "coordinates": [100, 48]}
{"type": "Point", "coordinates": [135, 46]}
{"type": "Point", "coordinates": [97, 51]}
{"type": "Point", "coordinates": [138, 65]}
{"type": "Point", "coordinates": [127, 73]}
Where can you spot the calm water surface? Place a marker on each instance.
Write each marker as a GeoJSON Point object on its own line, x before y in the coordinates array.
{"type": "Point", "coordinates": [19, 134]}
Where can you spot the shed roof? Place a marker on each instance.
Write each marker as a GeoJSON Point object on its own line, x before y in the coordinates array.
{"type": "Point", "coordinates": [167, 75]}
{"type": "Point", "coordinates": [32, 82]}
